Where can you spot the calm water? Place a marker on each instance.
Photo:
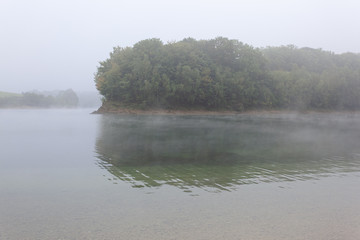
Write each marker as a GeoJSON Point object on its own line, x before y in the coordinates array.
{"type": "Point", "coordinates": [67, 174]}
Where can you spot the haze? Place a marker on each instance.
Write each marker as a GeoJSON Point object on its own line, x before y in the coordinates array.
{"type": "Point", "coordinates": [49, 45]}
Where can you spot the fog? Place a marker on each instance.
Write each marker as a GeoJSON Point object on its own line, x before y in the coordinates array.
{"type": "Point", "coordinates": [48, 45]}
{"type": "Point", "coordinates": [220, 153]}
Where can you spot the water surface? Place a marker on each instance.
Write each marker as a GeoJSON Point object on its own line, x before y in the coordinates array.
{"type": "Point", "coordinates": [67, 174]}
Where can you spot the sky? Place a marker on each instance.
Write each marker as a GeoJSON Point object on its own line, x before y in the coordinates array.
{"type": "Point", "coordinates": [57, 45]}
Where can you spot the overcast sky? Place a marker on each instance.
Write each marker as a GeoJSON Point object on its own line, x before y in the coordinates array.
{"type": "Point", "coordinates": [57, 44]}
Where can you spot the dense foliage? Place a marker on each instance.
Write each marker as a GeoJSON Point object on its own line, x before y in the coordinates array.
{"type": "Point", "coordinates": [67, 98]}
{"type": "Point", "coordinates": [314, 79]}
{"type": "Point", "coordinates": [227, 74]}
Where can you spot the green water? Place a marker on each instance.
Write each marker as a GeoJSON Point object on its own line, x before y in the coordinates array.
{"type": "Point", "coordinates": [67, 174]}
{"type": "Point", "coordinates": [220, 153]}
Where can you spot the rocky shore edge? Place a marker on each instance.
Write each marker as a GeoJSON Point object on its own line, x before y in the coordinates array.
{"type": "Point", "coordinates": [118, 108]}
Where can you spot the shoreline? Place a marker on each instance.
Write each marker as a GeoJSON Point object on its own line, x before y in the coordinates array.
{"type": "Point", "coordinates": [131, 111]}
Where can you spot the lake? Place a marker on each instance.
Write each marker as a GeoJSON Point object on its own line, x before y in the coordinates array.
{"type": "Point", "coordinates": [68, 174]}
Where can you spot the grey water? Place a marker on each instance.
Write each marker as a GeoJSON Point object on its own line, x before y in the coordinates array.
{"type": "Point", "coordinates": [68, 174]}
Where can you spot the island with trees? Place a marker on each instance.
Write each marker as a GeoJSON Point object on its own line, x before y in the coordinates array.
{"type": "Point", "coordinates": [35, 99]}
{"type": "Point", "coordinates": [227, 75]}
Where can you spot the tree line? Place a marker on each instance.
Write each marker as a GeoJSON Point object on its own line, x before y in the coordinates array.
{"type": "Point", "coordinates": [227, 74]}
{"type": "Point", "coordinates": [66, 98]}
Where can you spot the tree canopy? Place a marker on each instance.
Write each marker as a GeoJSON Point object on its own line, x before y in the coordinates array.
{"type": "Point", "coordinates": [227, 74]}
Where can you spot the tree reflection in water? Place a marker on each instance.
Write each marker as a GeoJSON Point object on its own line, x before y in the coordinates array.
{"type": "Point", "coordinates": [219, 153]}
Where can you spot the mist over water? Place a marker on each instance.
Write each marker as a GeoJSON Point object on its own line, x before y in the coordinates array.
{"type": "Point", "coordinates": [220, 153]}
{"type": "Point", "coordinates": [69, 174]}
